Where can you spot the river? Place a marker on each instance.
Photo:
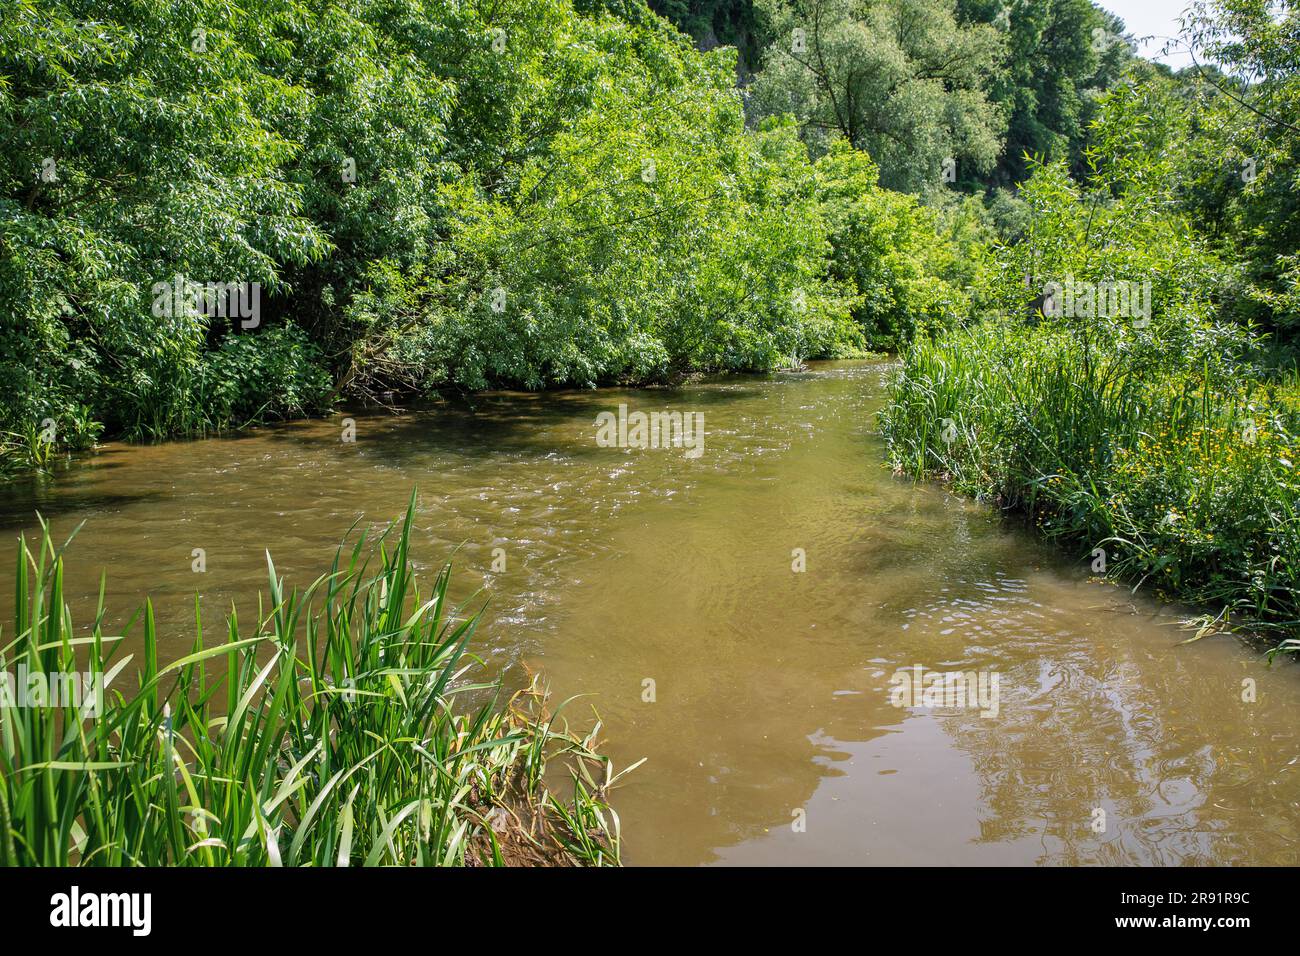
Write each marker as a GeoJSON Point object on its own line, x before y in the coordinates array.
{"type": "Point", "coordinates": [664, 588]}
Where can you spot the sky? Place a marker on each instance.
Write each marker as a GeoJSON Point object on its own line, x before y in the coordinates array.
{"type": "Point", "coordinates": [1152, 17]}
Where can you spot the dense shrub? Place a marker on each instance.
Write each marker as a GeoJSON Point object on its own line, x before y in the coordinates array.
{"type": "Point", "coordinates": [133, 148]}
{"type": "Point", "coordinates": [378, 170]}
{"type": "Point", "coordinates": [915, 267]}
{"type": "Point", "coordinates": [278, 374]}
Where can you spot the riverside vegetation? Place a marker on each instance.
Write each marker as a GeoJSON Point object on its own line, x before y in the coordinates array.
{"type": "Point", "coordinates": [412, 195]}
{"type": "Point", "coordinates": [341, 728]}
{"type": "Point", "coordinates": [417, 193]}
{"type": "Point", "coordinates": [1160, 448]}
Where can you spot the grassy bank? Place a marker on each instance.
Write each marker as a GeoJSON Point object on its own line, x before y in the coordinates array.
{"type": "Point", "coordinates": [343, 727]}
{"type": "Point", "coordinates": [1155, 462]}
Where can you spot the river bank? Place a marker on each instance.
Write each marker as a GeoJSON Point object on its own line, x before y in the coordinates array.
{"type": "Point", "coordinates": [1172, 474]}
{"type": "Point", "coordinates": [770, 687]}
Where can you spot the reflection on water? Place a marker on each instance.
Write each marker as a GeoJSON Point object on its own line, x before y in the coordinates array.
{"type": "Point", "coordinates": [771, 688]}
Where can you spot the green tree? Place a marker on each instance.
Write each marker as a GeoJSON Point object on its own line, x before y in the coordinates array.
{"type": "Point", "coordinates": [916, 269]}
{"type": "Point", "coordinates": [1241, 159]}
{"type": "Point", "coordinates": [710, 22]}
{"type": "Point", "coordinates": [133, 149]}
{"type": "Point", "coordinates": [1060, 56]}
{"type": "Point", "coordinates": [654, 235]}
{"type": "Point", "coordinates": [903, 80]}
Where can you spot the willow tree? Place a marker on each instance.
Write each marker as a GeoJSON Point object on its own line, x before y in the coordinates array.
{"type": "Point", "coordinates": [901, 79]}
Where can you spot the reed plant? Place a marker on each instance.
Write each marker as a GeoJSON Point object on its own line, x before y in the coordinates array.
{"type": "Point", "coordinates": [1171, 464]}
{"type": "Point", "coordinates": [345, 726]}
{"type": "Point", "coordinates": [25, 451]}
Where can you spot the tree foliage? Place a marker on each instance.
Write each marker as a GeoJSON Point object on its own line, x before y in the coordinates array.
{"type": "Point", "coordinates": [1239, 150]}
{"type": "Point", "coordinates": [903, 80]}
{"type": "Point", "coordinates": [413, 193]}
{"type": "Point", "coordinates": [1061, 55]}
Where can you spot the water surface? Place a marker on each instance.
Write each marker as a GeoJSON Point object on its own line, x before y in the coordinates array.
{"type": "Point", "coordinates": [771, 687]}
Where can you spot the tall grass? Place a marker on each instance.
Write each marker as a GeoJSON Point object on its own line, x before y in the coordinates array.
{"type": "Point", "coordinates": [26, 451]}
{"type": "Point", "coordinates": [340, 728]}
{"type": "Point", "coordinates": [1170, 466]}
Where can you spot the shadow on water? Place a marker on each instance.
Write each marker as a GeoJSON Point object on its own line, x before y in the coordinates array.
{"type": "Point", "coordinates": [491, 425]}
{"type": "Point", "coordinates": [22, 505]}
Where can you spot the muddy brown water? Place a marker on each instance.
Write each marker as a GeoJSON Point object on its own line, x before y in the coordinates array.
{"type": "Point", "coordinates": [773, 735]}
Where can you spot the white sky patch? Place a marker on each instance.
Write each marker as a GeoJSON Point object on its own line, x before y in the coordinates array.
{"type": "Point", "coordinates": [1157, 19]}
